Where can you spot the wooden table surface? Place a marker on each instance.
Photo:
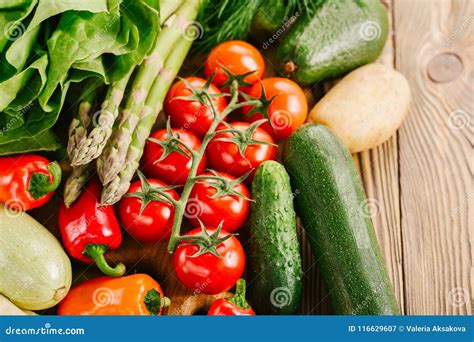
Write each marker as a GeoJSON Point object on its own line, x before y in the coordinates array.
{"type": "Point", "coordinates": [419, 184]}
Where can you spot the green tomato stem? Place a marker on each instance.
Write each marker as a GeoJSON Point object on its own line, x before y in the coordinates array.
{"type": "Point", "coordinates": [180, 207]}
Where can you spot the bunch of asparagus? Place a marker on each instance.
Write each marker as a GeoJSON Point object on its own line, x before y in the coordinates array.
{"type": "Point", "coordinates": [114, 146]}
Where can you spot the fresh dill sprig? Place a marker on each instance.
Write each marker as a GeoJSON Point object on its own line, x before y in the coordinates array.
{"type": "Point", "coordinates": [224, 20]}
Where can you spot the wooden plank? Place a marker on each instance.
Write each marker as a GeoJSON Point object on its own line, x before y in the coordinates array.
{"type": "Point", "coordinates": [434, 49]}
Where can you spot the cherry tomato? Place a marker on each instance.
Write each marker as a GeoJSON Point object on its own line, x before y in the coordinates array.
{"type": "Point", "coordinates": [193, 116]}
{"type": "Point", "coordinates": [287, 111]}
{"type": "Point", "coordinates": [174, 169]}
{"type": "Point", "coordinates": [238, 58]}
{"type": "Point", "coordinates": [152, 223]}
{"type": "Point", "coordinates": [230, 209]}
{"type": "Point", "coordinates": [234, 306]}
{"type": "Point", "coordinates": [225, 156]}
{"type": "Point", "coordinates": [208, 273]}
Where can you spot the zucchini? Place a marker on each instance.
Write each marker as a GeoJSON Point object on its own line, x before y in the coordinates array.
{"type": "Point", "coordinates": [35, 272]}
{"type": "Point", "coordinates": [331, 205]}
{"type": "Point", "coordinates": [274, 251]}
{"type": "Point", "coordinates": [341, 36]}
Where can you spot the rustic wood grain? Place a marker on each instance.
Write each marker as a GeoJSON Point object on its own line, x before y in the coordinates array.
{"type": "Point", "coordinates": [435, 50]}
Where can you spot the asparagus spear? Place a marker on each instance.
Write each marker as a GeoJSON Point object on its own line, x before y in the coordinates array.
{"type": "Point", "coordinates": [76, 182]}
{"type": "Point", "coordinates": [113, 158]}
{"type": "Point", "coordinates": [89, 148]}
{"type": "Point", "coordinates": [81, 121]}
{"type": "Point", "coordinates": [119, 185]}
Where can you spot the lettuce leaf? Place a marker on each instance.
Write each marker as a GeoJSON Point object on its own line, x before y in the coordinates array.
{"type": "Point", "coordinates": [63, 42]}
{"type": "Point", "coordinates": [45, 141]}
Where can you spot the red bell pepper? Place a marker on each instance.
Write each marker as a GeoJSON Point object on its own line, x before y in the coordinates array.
{"type": "Point", "coordinates": [234, 306]}
{"type": "Point", "coordinates": [88, 230]}
{"type": "Point", "coordinates": [27, 181]}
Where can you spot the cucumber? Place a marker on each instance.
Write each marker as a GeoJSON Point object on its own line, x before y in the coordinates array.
{"type": "Point", "coordinates": [342, 35]}
{"type": "Point", "coordinates": [35, 272]}
{"type": "Point", "coordinates": [274, 251]}
{"type": "Point", "coordinates": [331, 204]}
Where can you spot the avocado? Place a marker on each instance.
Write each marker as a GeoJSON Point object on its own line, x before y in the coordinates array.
{"type": "Point", "coordinates": [342, 35]}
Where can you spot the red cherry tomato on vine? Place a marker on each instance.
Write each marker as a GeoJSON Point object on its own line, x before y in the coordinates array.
{"type": "Point", "coordinates": [193, 116]}
{"type": "Point", "coordinates": [174, 169]}
{"type": "Point", "coordinates": [208, 273]}
{"type": "Point", "coordinates": [239, 58]}
{"type": "Point", "coordinates": [287, 111]}
{"type": "Point", "coordinates": [144, 218]}
{"type": "Point", "coordinates": [225, 156]}
{"type": "Point", "coordinates": [232, 209]}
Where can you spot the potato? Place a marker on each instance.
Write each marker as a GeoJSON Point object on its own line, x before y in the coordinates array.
{"type": "Point", "coordinates": [366, 107]}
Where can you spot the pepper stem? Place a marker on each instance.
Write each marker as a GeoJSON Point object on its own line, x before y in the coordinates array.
{"type": "Point", "coordinates": [96, 253]}
{"type": "Point", "coordinates": [238, 298]}
{"type": "Point", "coordinates": [154, 302]}
{"type": "Point", "coordinates": [39, 182]}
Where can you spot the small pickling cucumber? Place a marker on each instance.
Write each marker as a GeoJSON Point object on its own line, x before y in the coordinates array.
{"type": "Point", "coordinates": [35, 272]}
{"type": "Point", "coordinates": [332, 206]}
{"type": "Point", "coordinates": [274, 251]}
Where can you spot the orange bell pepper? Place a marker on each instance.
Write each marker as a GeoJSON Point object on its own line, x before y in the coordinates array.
{"type": "Point", "coordinates": [137, 294]}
